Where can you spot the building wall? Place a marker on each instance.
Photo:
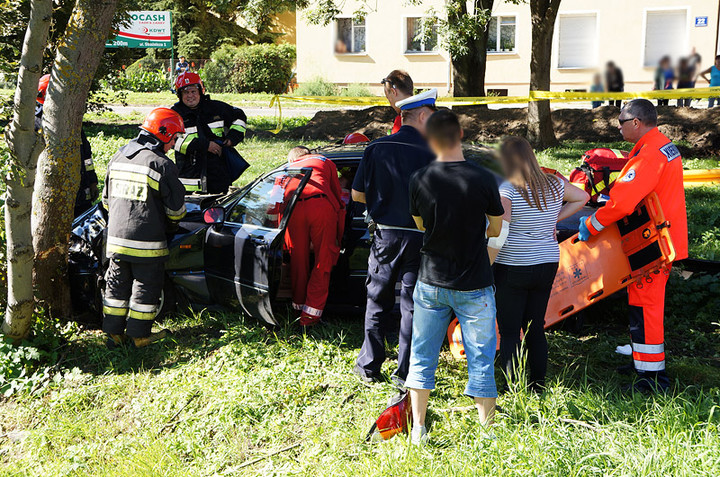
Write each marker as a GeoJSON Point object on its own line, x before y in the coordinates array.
{"type": "Point", "coordinates": [286, 24]}
{"type": "Point", "coordinates": [620, 37]}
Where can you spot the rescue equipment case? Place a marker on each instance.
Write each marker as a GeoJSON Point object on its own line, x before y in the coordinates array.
{"type": "Point", "coordinates": [598, 171]}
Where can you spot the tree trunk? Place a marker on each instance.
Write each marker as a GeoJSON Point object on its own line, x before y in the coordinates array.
{"type": "Point", "coordinates": [540, 126]}
{"type": "Point", "coordinates": [25, 146]}
{"type": "Point", "coordinates": [76, 60]}
{"type": "Point", "coordinates": [469, 69]}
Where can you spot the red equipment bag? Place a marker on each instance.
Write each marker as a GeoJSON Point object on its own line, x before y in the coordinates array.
{"type": "Point", "coordinates": [394, 420]}
{"type": "Point", "coordinates": [598, 171]}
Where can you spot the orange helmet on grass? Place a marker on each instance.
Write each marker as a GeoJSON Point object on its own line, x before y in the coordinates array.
{"type": "Point", "coordinates": [164, 124]}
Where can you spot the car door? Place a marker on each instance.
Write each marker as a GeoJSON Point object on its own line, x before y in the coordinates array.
{"type": "Point", "coordinates": [243, 254]}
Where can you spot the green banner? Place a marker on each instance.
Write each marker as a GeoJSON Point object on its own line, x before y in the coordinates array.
{"type": "Point", "coordinates": [145, 30]}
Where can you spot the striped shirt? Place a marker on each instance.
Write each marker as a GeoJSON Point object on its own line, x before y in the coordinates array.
{"type": "Point", "coordinates": [532, 239]}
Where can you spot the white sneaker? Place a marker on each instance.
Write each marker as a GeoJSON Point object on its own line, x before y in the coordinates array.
{"type": "Point", "coordinates": [419, 435]}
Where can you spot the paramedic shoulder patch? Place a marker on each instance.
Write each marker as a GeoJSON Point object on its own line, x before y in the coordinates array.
{"type": "Point", "coordinates": [629, 175]}
{"type": "Point", "coordinates": [670, 151]}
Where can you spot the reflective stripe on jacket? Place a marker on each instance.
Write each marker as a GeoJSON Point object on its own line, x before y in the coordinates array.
{"type": "Point", "coordinates": [144, 196]}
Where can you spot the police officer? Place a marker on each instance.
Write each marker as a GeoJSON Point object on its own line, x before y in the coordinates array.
{"type": "Point", "coordinates": [205, 154]}
{"type": "Point", "coordinates": [655, 165]}
{"type": "Point", "coordinates": [382, 183]}
{"type": "Point", "coordinates": [145, 199]}
{"type": "Point", "coordinates": [88, 191]}
{"type": "Point", "coordinates": [318, 220]}
{"type": "Point", "coordinates": [397, 86]}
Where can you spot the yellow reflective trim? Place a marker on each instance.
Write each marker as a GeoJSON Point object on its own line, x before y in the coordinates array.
{"type": "Point", "coordinates": [138, 315]}
{"type": "Point", "coordinates": [135, 177]}
{"type": "Point", "coordinates": [176, 217]}
{"type": "Point", "coordinates": [238, 128]}
{"type": "Point", "coordinates": [134, 252]}
{"type": "Point", "coordinates": [218, 131]}
{"type": "Point", "coordinates": [89, 168]}
{"type": "Point", "coordinates": [186, 142]}
{"type": "Point", "coordinates": [111, 310]}
{"type": "Point", "coordinates": [617, 153]}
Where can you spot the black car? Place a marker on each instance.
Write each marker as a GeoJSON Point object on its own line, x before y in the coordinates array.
{"type": "Point", "coordinates": [229, 250]}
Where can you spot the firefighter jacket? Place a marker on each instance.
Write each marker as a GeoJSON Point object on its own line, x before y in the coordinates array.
{"type": "Point", "coordinates": [88, 178]}
{"type": "Point", "coordinates": [654, 165]}
{"type": "Point", "coordinates": [144, 198]}
{"type": "Point", "coordinates": [210, 121]}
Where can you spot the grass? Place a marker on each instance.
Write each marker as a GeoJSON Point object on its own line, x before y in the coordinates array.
{"type": "Point", "coordinates": [224, 391]}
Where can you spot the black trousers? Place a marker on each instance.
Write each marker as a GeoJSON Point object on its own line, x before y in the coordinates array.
{"type": "Point", "coordinates": [522, 294]}
{"type": "Point", "coordinates": [395, 254]}
{"type": "Point", "coordinates": [132, 296]}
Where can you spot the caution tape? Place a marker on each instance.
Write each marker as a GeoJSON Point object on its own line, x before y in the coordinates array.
{"type": "Point", "coordinates": [564, 96]}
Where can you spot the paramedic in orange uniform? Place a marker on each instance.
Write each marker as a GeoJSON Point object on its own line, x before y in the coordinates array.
{"type": "Point", "coordinates": [318, 220]}
{"type": "Point", "coordinates": [654, 165]}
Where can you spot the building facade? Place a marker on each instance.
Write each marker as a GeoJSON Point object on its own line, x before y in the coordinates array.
{"type": "Point", "coordinates": [634, 34]}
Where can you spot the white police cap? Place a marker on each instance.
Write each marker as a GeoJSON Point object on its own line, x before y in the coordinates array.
{"type": "Point", "coordinates": [426, 98]}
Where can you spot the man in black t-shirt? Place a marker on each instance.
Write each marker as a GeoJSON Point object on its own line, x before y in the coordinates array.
{"type": "Point", "coordinates": [450, 199]}
{"type": "Point", "coordinates": [382, 182]}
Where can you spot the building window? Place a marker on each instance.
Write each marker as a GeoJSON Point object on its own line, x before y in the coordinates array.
{"type": "Point", "coordinates": [665, 34]}
{"type": "Point", "coordinates": [419, 39]}
{"type": "Point", "coordinates": [504, 42]}
{"type": "Point", "coordinates": [350, 36]}
{"type": "Point", "coordinates": [577, 41]}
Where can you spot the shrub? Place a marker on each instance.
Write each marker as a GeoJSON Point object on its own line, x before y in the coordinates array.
{"type": "Point", "coordinates": [139, 81]}
{"type": "Point", "coordinates": [356, 90]}
{"type": "Point", "coordinates": [317, 87]}
{"type": "Point", "coordinates": [146, 63]}
{"type": "Point", "coordinates": [263, 68]}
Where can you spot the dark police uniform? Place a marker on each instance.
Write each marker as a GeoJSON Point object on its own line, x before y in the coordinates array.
{"type": "Point", "coordinates": [384, 176]}
{"type": "Point", "coordinates": [88, 178]}
{"type": "Point", "coordinates": [145, 199]}
{"type": "Point", "coordinates": [201, 171]}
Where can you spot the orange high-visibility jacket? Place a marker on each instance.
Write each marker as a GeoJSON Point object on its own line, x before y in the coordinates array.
{"type": "Point", "coordinates": [654, 165]}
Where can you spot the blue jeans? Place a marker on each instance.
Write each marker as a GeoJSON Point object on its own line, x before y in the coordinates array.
{"type": "Point", "coordinates": [434, 308]}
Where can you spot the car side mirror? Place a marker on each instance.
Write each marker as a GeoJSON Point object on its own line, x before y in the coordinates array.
{"type": "Point", "coordinates": [214, 216]}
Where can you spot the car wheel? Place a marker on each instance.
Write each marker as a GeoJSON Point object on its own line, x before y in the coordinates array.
{"type": "Point", "coordinates": [168, 301]}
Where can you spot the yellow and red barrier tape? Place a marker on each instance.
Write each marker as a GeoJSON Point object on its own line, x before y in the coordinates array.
{"type": "Point", "coordinates": [564, 96]}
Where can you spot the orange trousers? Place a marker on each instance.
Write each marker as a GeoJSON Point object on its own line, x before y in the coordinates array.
{"type": "Point", "coordinates": [313, 222]}
{"type": "Point", "coordinates": [646, 298]}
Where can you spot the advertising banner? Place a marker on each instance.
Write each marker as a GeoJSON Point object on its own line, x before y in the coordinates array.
{"type": "Point", "coordinates": [145, 30]}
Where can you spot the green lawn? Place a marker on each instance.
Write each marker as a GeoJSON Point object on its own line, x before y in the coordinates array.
{"type": "Point", "coordinates": [224, 391]}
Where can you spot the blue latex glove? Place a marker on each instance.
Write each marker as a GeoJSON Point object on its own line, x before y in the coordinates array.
{"type": "Point", "coordinates": [583, 232]}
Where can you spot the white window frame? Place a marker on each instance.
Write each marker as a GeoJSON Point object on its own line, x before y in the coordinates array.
{"type": "Point", "coordinates": [647, 10]}
{"type": "Point", "coordinates": [336, 36]}
{"type": "Point", "coordinates": [404, 45]}
{"type": "Point", "coordinates": [496, 17]}
{"type": "Point", "coordinates": [577, 13]}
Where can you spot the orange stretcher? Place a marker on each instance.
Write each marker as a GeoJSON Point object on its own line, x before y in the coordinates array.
{"type": "Point", "coordinates": [620, 254]}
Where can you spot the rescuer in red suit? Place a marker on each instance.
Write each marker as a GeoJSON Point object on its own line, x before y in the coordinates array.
{"type": "Point", "coordinates": [398, 85]}
{"type": "Point", "coordinates": [318, 220]}
{"type": "Point", "coordinates": [654, 165]}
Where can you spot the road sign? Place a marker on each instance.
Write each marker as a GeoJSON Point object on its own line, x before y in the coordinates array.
{"type": "Point", "coordinates": [701, 21]}
{"type": "Point", "coordinates": [144, 30]}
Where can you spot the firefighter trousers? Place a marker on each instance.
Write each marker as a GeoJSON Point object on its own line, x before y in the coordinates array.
{"type": "Point", "coordinates": [132, 296]}
{"type": "Point", "coordinates": [313, 222]}
{"type": "Point", "coordinates": [646, 298]}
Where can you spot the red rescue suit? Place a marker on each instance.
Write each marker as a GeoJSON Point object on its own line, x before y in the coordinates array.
{"type": "Point", "coordinates": [318, 220]}
{"type": "Point", "coordinates": [654, 165]}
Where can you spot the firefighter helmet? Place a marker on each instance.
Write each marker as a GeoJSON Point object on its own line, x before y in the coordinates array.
{"type": "Point", "coordinates": [163, 123]}
{"type": "Point", "coordinates": [186, 79]}
{"type": "Point", "coordinates": [42, 88]}
{"type": "Point", "coordinates": [354, 138]}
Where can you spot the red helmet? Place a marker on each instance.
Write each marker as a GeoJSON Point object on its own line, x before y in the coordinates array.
{"type": "Point", "coordinates": [42, 88]}
{"type": "Point", "coordinates": [393, 420]}
{"type": "Point", "coordinates": [163, 123]}
{"type": "Point", "coordinates": [186, 79]}
{"type": "Point", "coordinates": [354, 138]}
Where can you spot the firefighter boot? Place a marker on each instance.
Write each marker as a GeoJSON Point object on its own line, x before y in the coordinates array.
{"type": "Point", "coordinates": [115, 341]}
{"type": "Point", "coordinates": [148, 340]}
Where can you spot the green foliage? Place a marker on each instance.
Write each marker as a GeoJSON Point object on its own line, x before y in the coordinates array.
{"type": "Point", "coordinates": [356, 90]}
{"type": "Point", "coordinates": [145, 64]}
{"type": "Point", "coordinates": [317, 86]}
{"type": "Point", "coordinates": [703, 209]}
{"type": "Point", "coordinates": [261, 68]}
{"type": "Point", "coordinates": [139, 80]}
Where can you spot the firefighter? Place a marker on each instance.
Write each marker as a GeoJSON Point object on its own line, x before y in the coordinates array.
{"type": "Point", "coordinates": [88, 191]}
{"type": "Point", "coordinates": [398, 86]}
{"type": "Point", "coordinates": [382, 182]}
{"type": "Point", "coordinates": [213, 129]}
{"type": "Point", "coordinates": [318, 220]}
{"type": "Point", "coordinates": [145, 200]}
{"type": "Point", "coordinates": [654, 165]}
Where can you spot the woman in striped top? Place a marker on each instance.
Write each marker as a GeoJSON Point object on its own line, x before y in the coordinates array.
{"type": "Point", "coordinates": [527, 261]}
